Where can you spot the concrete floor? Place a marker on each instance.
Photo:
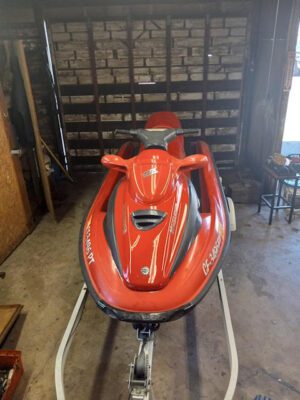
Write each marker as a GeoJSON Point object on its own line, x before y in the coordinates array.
{"type": "Point", "coordinates": [190, 361]}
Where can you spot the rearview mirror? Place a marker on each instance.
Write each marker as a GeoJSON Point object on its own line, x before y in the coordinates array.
{"type": "Point", "coordinates": [114, 162]}
{"type": "Point", "coordinates": [195, 161]}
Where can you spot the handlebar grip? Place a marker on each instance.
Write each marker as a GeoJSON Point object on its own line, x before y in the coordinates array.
{"type": "Point", "coordinates": [186, 131]}
{"type": "Point", "coordinates": [123, 131]}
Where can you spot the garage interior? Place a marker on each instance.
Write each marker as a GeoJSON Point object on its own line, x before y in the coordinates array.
{"type": "Point", "coordinates": [71, 74]}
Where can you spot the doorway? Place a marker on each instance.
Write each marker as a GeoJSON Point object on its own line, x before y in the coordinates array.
{"type": "Point", "coordinates": [291, 135]}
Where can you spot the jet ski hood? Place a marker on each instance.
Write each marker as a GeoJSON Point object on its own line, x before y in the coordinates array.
{"type": "Point", "coordinates": [152, 216]}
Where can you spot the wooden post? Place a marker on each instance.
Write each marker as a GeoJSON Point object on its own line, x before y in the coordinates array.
{"type": "Point", "coordinates": [36, 130]}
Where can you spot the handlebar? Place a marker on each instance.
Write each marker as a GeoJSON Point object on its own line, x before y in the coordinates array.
{"type": "Point", "coordinates": [156, 137]}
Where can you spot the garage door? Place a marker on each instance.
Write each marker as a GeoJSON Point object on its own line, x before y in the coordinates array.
{"type": "Point", "coordinates": [114, 74]}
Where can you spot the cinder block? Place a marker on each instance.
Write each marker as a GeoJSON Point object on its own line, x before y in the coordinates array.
{"type": "Point", "coordinates": [138, 25]}
{"type": "Point", "coordinates": [161, 52]}
{"type": "Point", "coordinates": [75, 64]}
{"type": "Point", "coordinates": [184, 114]}
{"type": "Point", "coordinates": [232, 59]}
{"type": "Point", "coordinates": [105, 79]}
{"type": "Point", "coordinates": [194, 23]}
{"type": "Point", "coordinates": [198, 33]}
{"type": "Point", "coordinates": [118, 98]}
{"type": "Point", "coordinates": [117, 63]}
{"type": "Point", "coordinates": [115, 25]}
{"type": "Point", "coordinates": [122, 53]}
{"type": "Point", "coordinates": [196, 77]}
{"type": "Point", "coordinates": [110, 44]}
{"type": "Point", "coordinates": [177, 23]}
{"type": "Point", "coordinates": [61, 64]}
{"type": "Point", "coordinates": [81, 99]}
{"type": "Point", "coordinates": [216, 76]}
{"type": "Point", "coordinates": [155, 24]}
{"type": "Point", "coordinates": [180, 33]}
{"type": "Point", "coordinates": [127, 117]}
{"type": "Point", "coordinates": [68, 80]}
{"type": "Point", "coordinates": [141, 71]}
{"type": "Point", "coordinates": [198, 114]}
{"type": "Point", "coordinates": [217, 114]}
{"type": "Point", "coordinates": [142, 52]}
{"type": "Point", "coordinates": [179, 70]}
{"type": "Point", "coordinates": [190, 96]}
{"type": "Point", "coordinates": [155, 43]}
{"type": "Point", "coordinates": [61, 37]}
{"type": "Point", "coordinates": [59, 27]}
{"type": "Point", "coordinates": [214, 60]}
{"type": "Point", "coordinates": [65, 72]}
{"type": "Point", "coordinates": [72, 46]}
{"type": "Point", "coordinates": [64, 55]}
{"type": "Point", "coordinates": [76, 27]}
{"type": "Point", "coordinates": [155, 62]}
{"type": "Point", "coordinates": [192, 60]}
{"type": "Point", "coordinates": [189, 42]}
{"type": "Point", "coordinates": [195, 70]}
{"type": "Point", "coordinates": [100, 35]}
{"type": "Point", "coordinates": [155, 97]}
{"type": "Point", "coordinates": [227, 95]}
{"type": "Point", "coordinates": [219, 32]}
{"type": "Point", "coordinates": [101, 63]}
{"type": "Point", "coordinates": [65, 99]}
{"type": "Point", "coordinates": [139, 35]}
{"type": "Point", "coordinates": [120, 71]}
{"type": "Point", "coordinates": [98, 26]}
{"type": "Point", "coordinates": [179, 52]}
{"type": "Point", "coordinates": [82, 55]}
{"type": "Point", "coordinates": [72, 135]}
{"type": "Point", "coordinates": [228, 40]}
{"type": "Point", "coordinates": [157, 70]}
{"type": "Point", "coordinates": [142, 116]}
{"type": "Point", "coordinates": [235, 22]}
{"type": "Point", "coordinates": [217, 22]}
{"type": "Point", "coordinates": [142, 78]}
{"type": "Point", "coordinates": [238, 49]}
{"type": "Point", "coordinates": [179, 77]}
{"type": "Point", "coordinates": [238, 31]}
{"type": "Point", "coordinates": [210, 131]}
{"type": "Point", "coordinates": [235, 75]}
{"type": "Point", "coordinates": [219, 50]}
{"type": "Point", "coordinates": [122, 78]}
{"type": "Point", "coordinates": [119, 35]}
{"type": "Point", "coordinates": [138, 62]}
{"type": "Point", "coordinates": [80, 36]}
{"type": "Point", "coordinates": [234, 113]}
{"type": "Point", "coordinates": [75, 117]}
{"type": "Point", "coordinates": [197, 51]}
{"type": "Point", "coordinates": [159, 77]}
{"type": "Point", "coordinates": [85, 80]}
{"type": "Point", "coordinates": [227, 131]}
{"type": "Point", "coordinates": [106, 53]}
{"type": "Point", "coordinates": [158, 34]}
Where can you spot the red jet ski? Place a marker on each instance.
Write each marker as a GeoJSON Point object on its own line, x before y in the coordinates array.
{"type": "Point", "coordinates": [151, 246]}
{"type": "Point", "coordinates": [155, 237]}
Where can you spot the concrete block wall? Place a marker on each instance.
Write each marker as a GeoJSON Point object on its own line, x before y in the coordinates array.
{"type": "Point", "coordinates": [227, 50]}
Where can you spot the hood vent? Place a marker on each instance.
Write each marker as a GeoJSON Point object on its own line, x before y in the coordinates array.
{"type": "Point", "coordinates": [147, 219]}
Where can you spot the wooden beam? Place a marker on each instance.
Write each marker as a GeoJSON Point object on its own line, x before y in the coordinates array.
{"type": "Point", "coordinates": [36, 130]}
{"type": "Point", "coordinates": [110, 126]}
{"type": "Point", "coordinates": [159, 87]}
{"type": "Point", "coordinates": [152, 106]}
